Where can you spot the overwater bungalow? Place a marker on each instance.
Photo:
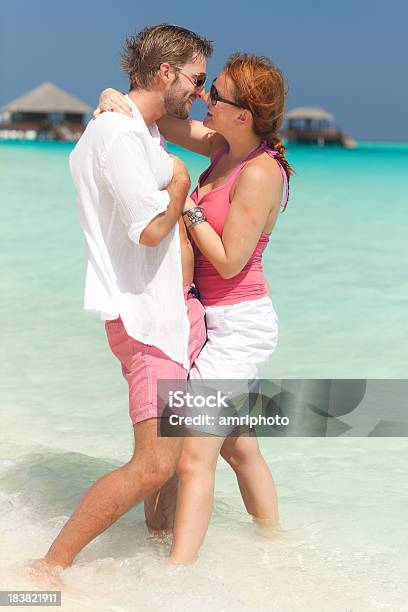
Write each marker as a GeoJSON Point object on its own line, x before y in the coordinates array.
{"type": "Point", "coordinates": [311, 125]}
{"type": "Point", "coordinates": [44, 113]}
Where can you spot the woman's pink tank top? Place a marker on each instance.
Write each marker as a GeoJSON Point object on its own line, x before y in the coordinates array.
{"type": "Point", "coordinates": [248, 284]}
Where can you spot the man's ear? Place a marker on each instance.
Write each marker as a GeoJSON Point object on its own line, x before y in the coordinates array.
{"type": "Point", "coordinates": [165, 72]}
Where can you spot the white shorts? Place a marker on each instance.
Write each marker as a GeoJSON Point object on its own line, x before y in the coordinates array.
{"type": "Point", "coordinates": [240, 339]}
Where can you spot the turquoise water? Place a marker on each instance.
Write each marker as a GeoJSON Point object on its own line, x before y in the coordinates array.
{"type": "Point", "coordinates": [337, 266]}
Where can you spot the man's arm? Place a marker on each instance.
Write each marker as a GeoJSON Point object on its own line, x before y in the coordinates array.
{"type": "Point", "coordinates": [177, 189]}
{"type": "Point", "coordinates": [147, 212]}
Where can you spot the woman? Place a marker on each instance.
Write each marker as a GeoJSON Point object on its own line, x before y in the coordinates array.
{"type": "Point", "coordinates": [230, 216]}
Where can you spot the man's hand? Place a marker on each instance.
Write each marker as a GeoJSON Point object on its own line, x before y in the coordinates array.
{"type": "Point", "coordinates": [180, 169]}
{"type": "Point", "coordinates": [181, 177]}
{"type": "Point", "coordinates": [178, 189]}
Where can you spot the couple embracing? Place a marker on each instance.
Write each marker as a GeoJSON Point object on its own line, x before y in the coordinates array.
{"type": "Point", "coordinates": [178, 278]}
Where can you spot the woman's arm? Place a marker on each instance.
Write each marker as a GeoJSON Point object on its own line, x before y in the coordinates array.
{"type": "Point", "coordinates": [186, 133]}
{"type": "Point", "coordinates": [258, 192]}
{"type": "Point", "coordinates": [192, 135]}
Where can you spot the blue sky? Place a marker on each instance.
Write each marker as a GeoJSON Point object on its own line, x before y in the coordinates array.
{"type": "Point", "coordinates": [348, 57]}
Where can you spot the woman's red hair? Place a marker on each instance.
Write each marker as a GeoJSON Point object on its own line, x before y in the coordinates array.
{"type": "Point", "coordinates": [260, 87]}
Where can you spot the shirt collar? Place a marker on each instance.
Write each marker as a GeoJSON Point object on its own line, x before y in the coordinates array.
{"type": "Point", "coordinates": [152, 129]}
{"type": "Point", "coordinates": [133, 106]}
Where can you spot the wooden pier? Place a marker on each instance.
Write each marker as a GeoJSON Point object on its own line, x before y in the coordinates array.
{"type": "Point", "coordinates": [312, 125]}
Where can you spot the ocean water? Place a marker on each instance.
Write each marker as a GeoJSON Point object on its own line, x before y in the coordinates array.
{"type": "Point", "coordinates": [337, 266]}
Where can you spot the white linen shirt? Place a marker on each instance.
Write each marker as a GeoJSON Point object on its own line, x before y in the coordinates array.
{"type": "Point", "coordinates": [121, 171]}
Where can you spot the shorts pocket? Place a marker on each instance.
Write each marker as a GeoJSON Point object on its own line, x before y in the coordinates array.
{"type": "Point", "coordinates": [198, 329]}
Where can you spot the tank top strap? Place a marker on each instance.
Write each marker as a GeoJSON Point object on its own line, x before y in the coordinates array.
{"type": "Point", "coordinates": [273, 154]}
{"type": "Point", "coordinates": [242, 163]}
{"type": "Point", "coordinates": [268, 149]}
{"type": "Point", "coordinates": [214, 161]}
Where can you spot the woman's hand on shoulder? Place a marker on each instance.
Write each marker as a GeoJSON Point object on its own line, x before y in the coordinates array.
{"type": "Point", "coordinates": [112, 100]}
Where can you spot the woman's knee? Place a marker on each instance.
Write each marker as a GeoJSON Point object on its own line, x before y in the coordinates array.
{"type": "Point", "coordinates": [192, 463]}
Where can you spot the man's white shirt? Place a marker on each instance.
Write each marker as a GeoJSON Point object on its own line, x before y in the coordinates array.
{"type": "Point", "coordinates": [121, 172]}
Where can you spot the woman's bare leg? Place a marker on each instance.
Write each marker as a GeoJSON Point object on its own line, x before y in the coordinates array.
{"type": "Point", "coordinates": [254, 478]}
{"type": "Point", "coordinates": [196, 471]}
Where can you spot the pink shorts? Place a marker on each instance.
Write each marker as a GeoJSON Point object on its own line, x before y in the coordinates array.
{"type": "Point", "coordinates": [143, 364]}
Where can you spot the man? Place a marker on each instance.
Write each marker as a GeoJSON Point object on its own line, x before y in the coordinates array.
{"type": "Point", "coordinates": [130, 197]}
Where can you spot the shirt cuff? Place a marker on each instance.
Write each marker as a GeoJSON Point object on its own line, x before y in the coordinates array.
{"type": "Point", "coordinates": [163, 199]}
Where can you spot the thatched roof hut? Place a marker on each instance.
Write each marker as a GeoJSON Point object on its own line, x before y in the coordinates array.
{"type": "Point", "coordinates": [46, 111]}
{"type": "Point", "coordinates": [47, 98]}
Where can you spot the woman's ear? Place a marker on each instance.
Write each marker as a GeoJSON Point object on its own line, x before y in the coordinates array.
{"type": "Point", "coordinates": [245, 116]}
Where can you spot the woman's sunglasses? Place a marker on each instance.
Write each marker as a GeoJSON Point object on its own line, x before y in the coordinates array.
{"type": "Point", "coordinates": [215, 97]}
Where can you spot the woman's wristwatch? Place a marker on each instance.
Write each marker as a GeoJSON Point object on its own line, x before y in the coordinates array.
{"type": "Point", "coordinates": [195, 216]}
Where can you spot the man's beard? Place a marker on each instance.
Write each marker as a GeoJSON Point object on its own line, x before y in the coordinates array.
{"type": "Point", "coordinates": [175, 103]}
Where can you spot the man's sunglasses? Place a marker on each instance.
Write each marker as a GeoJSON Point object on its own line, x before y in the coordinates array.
{"type": "Point", "coordinates": [215, 97]}
{"type": "Point", "coordinates": [198, 80]}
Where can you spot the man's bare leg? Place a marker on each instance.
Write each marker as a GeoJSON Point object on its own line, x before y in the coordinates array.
{"type": "Point", "coordinates": [160, 508]}
{"type": "Point", "coordinates": [153, 463]}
